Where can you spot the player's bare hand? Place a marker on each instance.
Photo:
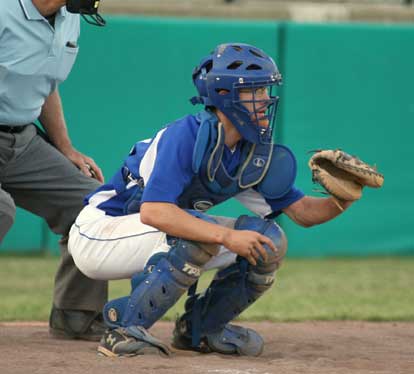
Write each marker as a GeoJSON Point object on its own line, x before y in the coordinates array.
{"type": "Point", "coordinates": [248, 244]}
{"type": "Point", "coordinates": [85, 164]}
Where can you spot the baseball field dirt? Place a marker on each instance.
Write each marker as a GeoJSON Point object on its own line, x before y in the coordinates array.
{"type": "Point", "coordinates": [291, 348]}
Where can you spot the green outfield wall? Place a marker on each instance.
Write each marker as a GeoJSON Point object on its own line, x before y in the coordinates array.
{"type": "Point", "coordinates": [346, 86]}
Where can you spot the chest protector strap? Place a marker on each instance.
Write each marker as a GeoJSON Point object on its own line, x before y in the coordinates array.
{"type": "Point", "coordinates": [272, 167]}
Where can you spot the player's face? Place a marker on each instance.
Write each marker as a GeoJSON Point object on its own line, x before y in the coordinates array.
{"type": "Point", "coordinates": [257, 109]}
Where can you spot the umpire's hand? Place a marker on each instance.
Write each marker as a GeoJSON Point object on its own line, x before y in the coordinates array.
{"type": "Point", "coordinates": [85, 164]}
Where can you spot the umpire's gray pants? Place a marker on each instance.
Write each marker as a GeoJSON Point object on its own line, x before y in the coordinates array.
{"type": "Point", "coordinates": [38, 178]}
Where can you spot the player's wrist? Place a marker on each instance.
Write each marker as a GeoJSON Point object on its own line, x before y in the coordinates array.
{"type": "Point", "coordinates": [342, 205]}
{"type": "Point", "coordinates": [224, 235]}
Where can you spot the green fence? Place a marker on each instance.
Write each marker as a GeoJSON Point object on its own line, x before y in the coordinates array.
{"type": "Point", "coordinates": [347, 86]}
{"type": "Point", "coordinates": [350, 86]}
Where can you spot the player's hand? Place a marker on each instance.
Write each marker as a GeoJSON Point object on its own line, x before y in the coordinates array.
{"type": "Point", "coordinates": [85, 164]}
{"type": "Point", "coordinates": [248, 244]}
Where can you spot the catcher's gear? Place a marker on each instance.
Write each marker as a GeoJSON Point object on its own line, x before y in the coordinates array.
{"type": "Point", "coordinates": [231, 339]}
{"type": "Point", "coordinates": [230, 68]}
{"type": "Point", "coordinates": [130, 341]}
{"type": "Point", "coordinates": [343, 176]}
{"type": "Point", "coordinates": [232, 291]}
{"type": "Point", "coordinates": [165, 278]}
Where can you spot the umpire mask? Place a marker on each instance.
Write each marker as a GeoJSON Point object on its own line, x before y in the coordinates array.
{"type": "Point", "coordinates": [88, 9]}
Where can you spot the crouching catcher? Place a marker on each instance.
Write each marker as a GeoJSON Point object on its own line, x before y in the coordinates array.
{"type": "Point", "coordinates": [149, 222]}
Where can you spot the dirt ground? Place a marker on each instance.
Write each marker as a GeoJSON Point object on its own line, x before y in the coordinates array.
{"type": "Point", "coordinates": [291, 348]}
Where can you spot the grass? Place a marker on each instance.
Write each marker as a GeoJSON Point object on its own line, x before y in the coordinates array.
{"type": "Point", "coordinates": [370, 289]}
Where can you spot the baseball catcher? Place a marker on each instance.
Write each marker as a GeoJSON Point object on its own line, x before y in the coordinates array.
{"type": "Point", "coordinates": [150, 222]}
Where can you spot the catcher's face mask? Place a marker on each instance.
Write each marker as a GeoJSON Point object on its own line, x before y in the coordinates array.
{"type": "Point", "coordinates": [88, 9]}
{"type": "Point", "coordinates": [235, 68]}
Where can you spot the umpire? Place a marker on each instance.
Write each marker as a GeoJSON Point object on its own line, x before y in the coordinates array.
{"type": "Point", "coordinates": [38, 46]}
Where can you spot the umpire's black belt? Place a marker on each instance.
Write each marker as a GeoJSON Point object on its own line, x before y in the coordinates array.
{"type": "Point", "coordinates": [12, 129]}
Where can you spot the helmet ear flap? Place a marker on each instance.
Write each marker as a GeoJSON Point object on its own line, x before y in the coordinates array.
{"type": "Point", "coordinates": [203, 68]}
{"type": "Point", "coordinates": [199, 76]}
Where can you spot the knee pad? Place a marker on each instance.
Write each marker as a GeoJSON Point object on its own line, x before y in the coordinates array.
{"type": "Point", "coordinates": [267, 228]}
{"type": "Point", "coordinates": [261, 276]}
{"type": "Point", "coordinates": [165, 278]}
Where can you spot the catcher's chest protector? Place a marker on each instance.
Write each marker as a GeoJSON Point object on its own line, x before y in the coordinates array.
{"type": "Point", "coordinates": [270, 167]}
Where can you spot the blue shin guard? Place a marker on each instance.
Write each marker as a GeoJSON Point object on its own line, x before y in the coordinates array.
{"type": "Point", "coordinates": [165, 278]}
{"type": "Point", "coordinates": [114, 310]}
{"type": "Point", "coordinates": [157, 293]}
{"type": "Point", "coordinates": [234, 289]}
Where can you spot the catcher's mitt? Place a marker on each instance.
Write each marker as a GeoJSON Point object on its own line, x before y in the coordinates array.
{"type": "Point", "coordinates": [343, 176]}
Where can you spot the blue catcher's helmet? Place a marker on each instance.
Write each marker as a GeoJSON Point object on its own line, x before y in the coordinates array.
{"type": "Point", "coordinates": [230, 68]}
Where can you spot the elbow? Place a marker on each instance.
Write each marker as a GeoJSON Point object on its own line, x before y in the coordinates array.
{"type": "Point", "coordinates": [306, 224]}
{"type": "Point", "coordinates": [301, 220]}
{"type": "Point", "coordinates": [146, 219]}
{"type": "Point", "coordinates": [148, 216]}
{"type": "Point", "coordinates": [158, 215]}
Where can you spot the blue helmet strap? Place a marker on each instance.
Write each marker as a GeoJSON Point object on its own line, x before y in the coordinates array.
{"type": "Point", "coordinates": [214, 161]}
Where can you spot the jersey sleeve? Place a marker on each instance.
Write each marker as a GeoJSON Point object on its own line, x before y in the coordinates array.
{"type": "Point", "coordinates": [167, 165]}
{"type": "Point", "coordinates": [268, 208]}
{"type": "Point", "coordinates": [278, 205]}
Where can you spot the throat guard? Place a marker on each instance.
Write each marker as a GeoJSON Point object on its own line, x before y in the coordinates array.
{"type": "Point", "coordinates": [208, 154]}
{"type": "Point", "coordinates": [271, 167]}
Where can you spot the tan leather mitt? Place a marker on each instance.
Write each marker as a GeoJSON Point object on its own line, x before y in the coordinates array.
{"type": "Point", "coordinates": [342, 175]}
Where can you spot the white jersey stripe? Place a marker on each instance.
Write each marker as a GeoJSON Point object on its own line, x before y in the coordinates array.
{"type": "Point", "coordinates": [148, 161]}
{"type": "Point", "coordinates": [100, 197]}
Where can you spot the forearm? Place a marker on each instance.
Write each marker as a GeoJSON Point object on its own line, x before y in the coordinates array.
{"type": "Point", "coordinates": [175, 221]}
{"type": "Point", "coordinates": [53, 121]}
{"type": "Point", "coordinates": [310, 211]}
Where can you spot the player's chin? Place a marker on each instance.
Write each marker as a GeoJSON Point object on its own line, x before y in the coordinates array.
{"type": "Point", "coordinates": [261, 121]}
{"type": "Point", "coordinates": [264, 122]}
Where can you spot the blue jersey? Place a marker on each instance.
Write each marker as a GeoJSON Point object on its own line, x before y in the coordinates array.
{"type": "Point", "coordinates": [160, 170]}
